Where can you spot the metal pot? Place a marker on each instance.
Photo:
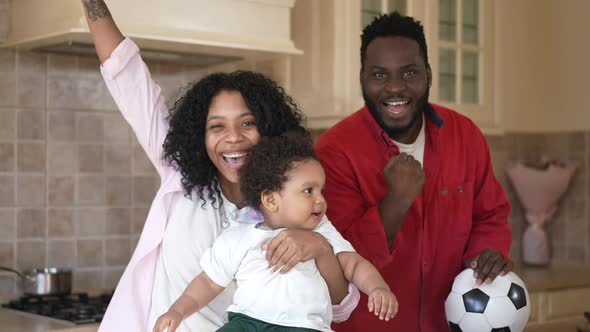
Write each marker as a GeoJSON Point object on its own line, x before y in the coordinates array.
{"type": "Point", "coordinates": [45, 281]}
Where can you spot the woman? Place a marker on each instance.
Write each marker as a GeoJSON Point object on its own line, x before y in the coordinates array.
{"type": "Point", "coordinates": [197, 153]}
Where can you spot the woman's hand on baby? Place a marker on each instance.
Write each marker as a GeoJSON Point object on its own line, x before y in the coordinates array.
{"type": "Point", "coordinates": [383, 303]}
{"type": "Point", "coordinates": [168, 322]}
{"type": "Point", "coordinates": [292, 246]}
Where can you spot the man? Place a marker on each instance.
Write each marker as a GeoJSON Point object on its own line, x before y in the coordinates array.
{"type": "Point", "coordinates": [410, 184]}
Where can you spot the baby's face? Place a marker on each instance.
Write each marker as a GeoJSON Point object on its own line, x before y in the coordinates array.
{"type": "Point", "coordinates": [301, 201]}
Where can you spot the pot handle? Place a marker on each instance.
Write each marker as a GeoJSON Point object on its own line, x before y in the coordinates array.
{"type": "Point", "coordinates": [4, 268]}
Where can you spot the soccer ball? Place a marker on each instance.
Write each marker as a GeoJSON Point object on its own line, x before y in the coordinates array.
{"type": "Point", "coordinates": [502, 306]}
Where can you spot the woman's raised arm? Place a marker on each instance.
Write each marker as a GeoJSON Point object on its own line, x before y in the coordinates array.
{"type": "Point", "coordinates": [104, 31]}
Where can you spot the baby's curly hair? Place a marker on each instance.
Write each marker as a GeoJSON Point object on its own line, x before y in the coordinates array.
{"type": "Point", "coordinates": [270, 160]}
{"type": "Point", "coordinates": [184, 146]}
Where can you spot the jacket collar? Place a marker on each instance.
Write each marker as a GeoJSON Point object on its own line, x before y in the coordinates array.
{"type": "Point", "coordinates": [434, 122]}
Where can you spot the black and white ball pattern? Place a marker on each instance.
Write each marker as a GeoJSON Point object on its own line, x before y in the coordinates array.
{"type": "Point", "coordinates": [502, 306]}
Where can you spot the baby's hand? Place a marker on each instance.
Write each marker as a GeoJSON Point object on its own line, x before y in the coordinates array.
{"type": "Point", "coordinates": [383, 303]}
{"type": "Point", "coordinates": [168, 322]}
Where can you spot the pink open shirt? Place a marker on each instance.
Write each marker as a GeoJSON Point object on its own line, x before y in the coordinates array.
{"type": "Point", "coordinates": [141, 103]}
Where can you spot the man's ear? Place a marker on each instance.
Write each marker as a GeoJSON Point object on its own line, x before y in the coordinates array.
{"type": "Point", "coordinates": [269, 200]}
{"type": "Point", "coordinates": [429, 75]}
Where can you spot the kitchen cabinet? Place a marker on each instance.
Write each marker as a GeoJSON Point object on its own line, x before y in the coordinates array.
{"type": "Point", "coordinates": [559, 296]}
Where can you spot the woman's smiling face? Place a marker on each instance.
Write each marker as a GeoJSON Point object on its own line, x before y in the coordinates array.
{"type": "Point", "coordinates": [230, 133]}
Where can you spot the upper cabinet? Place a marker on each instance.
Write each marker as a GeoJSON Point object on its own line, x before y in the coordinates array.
{"type": "Point", "coordinates": [459, 35]}
{"type": "Point", "coordinates": [460, 39]}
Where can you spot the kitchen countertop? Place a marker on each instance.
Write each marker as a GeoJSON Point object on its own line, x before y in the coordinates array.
{"type": "Point", "coordinates": [554, 278]}
{"type": "Point", "coordinates": [15, 321]}
{"type": "Point", "coordinates": [536, 280]}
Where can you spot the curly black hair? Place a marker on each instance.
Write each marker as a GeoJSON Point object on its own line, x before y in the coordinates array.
{"type": "Point", "coordinates": [269, 161]}
{"type": "Point", "coordinates": [184, 147]}
{"type": "Point", "coordinates": [394, 25]}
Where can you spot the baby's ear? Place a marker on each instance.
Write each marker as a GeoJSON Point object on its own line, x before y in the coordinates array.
{"type": "Point", "coordinates": [269, 200]}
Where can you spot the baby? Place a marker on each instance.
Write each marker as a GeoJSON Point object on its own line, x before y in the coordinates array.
{"type": "Point", "coordinates": [283, 183]}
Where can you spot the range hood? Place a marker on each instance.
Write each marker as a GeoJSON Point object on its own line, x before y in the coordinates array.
{"type": "Point", "coordinates": [196, 32]}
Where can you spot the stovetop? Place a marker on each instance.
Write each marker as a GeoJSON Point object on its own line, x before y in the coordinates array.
{"type": "Point", "coordinates": [79, 308]}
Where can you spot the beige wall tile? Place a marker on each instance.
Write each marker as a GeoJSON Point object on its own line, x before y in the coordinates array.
{"type": "Point", "coordinates": [31, 89]}
{"type": "Point", "coordinates": [118, 190]}
{"type": "Point", "coordinates": [31, 79]}
{"type": "Point", "coordinates": [31, 157]}
{"type": "Point", "coordinates": [141, 163]}
{"type": "Point", "coordinates": [138, 219]}
{"type": "Point", "coordinates": [90, 158]}
{"type": "Point", "coordinates": [117, 159]}
{"type": "Point", "coordinates": [8, 89]}
{"type": "Point", "coordinates": [61, 92]}
{"type": "Point", "coordinates": [61, 190]}
{"type": "Point", "coordinates": [576, 210]}
{"type": "Point", "coordinates": [7, 190]}
{"type": "Point", "coordinates": [30, 190]}
{"type": "Point", "coordinates": [7, 157]}
{"type": "Point", "coordinates": [144, 189]}
{"type": "Point", "coordinates": [90, 253]}
{"type": "Point", "coordinates": [61, 158]}
{"type": "Point", "coordinates": [116, 130]}
{"type": "Point", "coordinates": [108, 103]}
{"type": "Point", "coordinates": [88, 280]}
{"type": "Point", "coordinates": [576, 253]}
{"type": "Point", "coordinates": [8, 285]}
{"type": "Point", "coordinates": [31, 125]}
{"type": "Point", "coordinates": [90, 189]}
{"type": "Point", "coordinates": [7, 224]}
{"type": "Point", "coordinates": [7, 123]}
{"type": "Point", "coordinates": [62, 126]}
{"type": "Point", "coordinates": [58, 64]}
{"type": "Point", "coordinates": [90, 221]}
{"type": "Point", "coordinates": [134, 241]}
{"type": "Point", "coordinates": [7, 256]}
{"type": "Point", "coordinates": [112, 277]}
{"type": "Point", "coordinates": [60, 222]}
{"type": "Point", "coordinates": [89, 127]}
{"type": "Point", "coordinates": [88, 66]}
{"type": "Point", "coordinates": [118, 221]}
{"type": "Point", "coordinates": [90, 92]}
{"type": "Point", "coordinates": [576, 233]}
{"type": "Point", "coordinates": [564, 145]}
{"type": "Point", "coordinates": [30, 254]}
{"type": "Point", "coordinates": [32, 62]}
{"type": "Point", "coordinates": [61, 253]}
{"type": "Point", "coordinates": [117, 251]}
{"type": "Point", "coordinates": [31, 223]}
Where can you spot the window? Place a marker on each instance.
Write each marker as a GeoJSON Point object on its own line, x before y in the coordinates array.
{"type": "Point", "coordinates": [372, 8]}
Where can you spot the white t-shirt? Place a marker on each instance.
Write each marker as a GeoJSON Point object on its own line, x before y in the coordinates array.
{"type": "Point", "coordinates": [415, 149]}
{"type": "Point", "coordinates": [191, 230]}
{"type": "Point", "coordinates": [298, 298]}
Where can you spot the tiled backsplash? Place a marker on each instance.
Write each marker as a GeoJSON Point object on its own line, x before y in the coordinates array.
{"type": "Point", "coordinates": [75, 186]}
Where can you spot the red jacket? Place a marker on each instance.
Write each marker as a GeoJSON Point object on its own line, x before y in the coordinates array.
{"type": "Point", "coordinates": [462, 210]}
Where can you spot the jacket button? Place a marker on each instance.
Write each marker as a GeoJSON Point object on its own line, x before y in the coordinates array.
{"type": "Point", "coordinates": [444, 192]}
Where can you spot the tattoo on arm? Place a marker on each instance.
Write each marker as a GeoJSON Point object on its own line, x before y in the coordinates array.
{"type": "Point", "coordinates": [96, 9]}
